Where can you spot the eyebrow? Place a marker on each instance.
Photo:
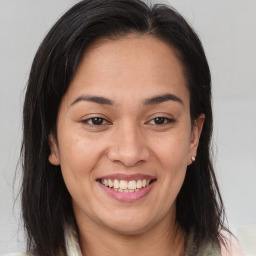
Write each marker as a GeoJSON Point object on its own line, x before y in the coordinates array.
{"type": "Point", "coordinates": [149, 101]}
{"type": "Point", "coordinates": [95, 99]}
{"type": "Point", "coordinates": [163, 98]}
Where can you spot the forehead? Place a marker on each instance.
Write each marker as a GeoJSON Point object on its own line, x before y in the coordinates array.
{"type": "Point", "coordinates": [135, 66]}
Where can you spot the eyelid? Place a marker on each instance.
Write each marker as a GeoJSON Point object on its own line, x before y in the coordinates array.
{"type": "Point", "coordinates": [165, 115]}
{"type": "Point", "coordinates": [86, 121]}
{"type": "Point", "coordinates": [168, 119]}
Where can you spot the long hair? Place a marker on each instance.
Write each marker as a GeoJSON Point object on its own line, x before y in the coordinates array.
{"type": "Point", "coordinates": [46, 203]}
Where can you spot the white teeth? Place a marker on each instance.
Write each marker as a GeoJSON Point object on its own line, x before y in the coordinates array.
{"type": "Point", "coordinates": [124, 185]}
{"type": "Point", "coordinates": [116, 183]}
{"type": "Point", "coordinates": [110, 183]}
{"type": "Point", "coordinates": [132, 184]}
{"type": "Point", "coordinates": [139, 184]}
{"type": "Point", "coordinates": [105, 182]}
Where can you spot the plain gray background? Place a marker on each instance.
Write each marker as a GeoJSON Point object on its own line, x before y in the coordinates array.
{"type": "Point", "coordinates": [227, 29]}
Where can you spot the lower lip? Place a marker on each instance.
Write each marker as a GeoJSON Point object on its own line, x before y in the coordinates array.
{"type": "Point", "coordinates": [128, 196]}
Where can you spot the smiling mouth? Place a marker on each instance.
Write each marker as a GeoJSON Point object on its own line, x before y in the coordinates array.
{"type": "Point", "coordinates": [126, 186]}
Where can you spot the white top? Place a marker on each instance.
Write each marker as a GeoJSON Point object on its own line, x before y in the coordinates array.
{"type": "Point", "coordinates": [73, 248]}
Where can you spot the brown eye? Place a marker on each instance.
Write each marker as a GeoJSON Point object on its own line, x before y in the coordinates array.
{"type": "Point", "coordinates": [95, 121]}
{"type": "Point", "coordinates": [161, 120]}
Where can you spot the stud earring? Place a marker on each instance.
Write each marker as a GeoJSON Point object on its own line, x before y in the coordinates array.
{"type": "Point", "coordinates": [193, 159]}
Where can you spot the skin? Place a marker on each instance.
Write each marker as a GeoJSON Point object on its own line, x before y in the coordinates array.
{"type": "Point", "coordinates": [126, 71]}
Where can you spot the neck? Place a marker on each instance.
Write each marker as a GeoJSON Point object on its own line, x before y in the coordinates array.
{"type": "Point", "coordinates": [165, 238]}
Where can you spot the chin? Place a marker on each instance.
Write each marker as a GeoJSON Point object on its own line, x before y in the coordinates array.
{"type": "Point", "coordinates": [131, 229]}
{"type": "Point", "coordinates": [130, 224]}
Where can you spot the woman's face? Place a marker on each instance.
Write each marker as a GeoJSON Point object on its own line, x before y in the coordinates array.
{"type": "Point", "coordinates": [124, 135]}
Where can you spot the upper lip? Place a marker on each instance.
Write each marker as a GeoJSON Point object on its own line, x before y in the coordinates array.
{"type": "Point", "coordinates": [128, 177]}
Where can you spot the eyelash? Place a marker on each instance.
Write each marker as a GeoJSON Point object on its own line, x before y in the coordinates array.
{"type": "Point", "coordinates": [162, 118]}
{"type": "Point", "coordinates": [86, 121]}
{"type": "Point", "coordinates": [103, 121]}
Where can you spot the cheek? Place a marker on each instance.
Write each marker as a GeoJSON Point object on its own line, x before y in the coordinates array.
{"type": "Point", "coordinates": [172, 150]}
{"type": "Point", "coordinates": [78, 158]}
{"type": "Point", "coordinates": [172, 153]}
{"type": "Point", "coordinates": [77, 151]}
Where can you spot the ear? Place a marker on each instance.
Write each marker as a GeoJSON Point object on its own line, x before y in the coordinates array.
{"type": "Point", "coordinates": [53, 158]}
{"type": "Point", "coordinates": [195, 136]}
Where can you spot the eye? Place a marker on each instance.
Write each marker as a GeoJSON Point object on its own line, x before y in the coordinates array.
{"type": "Point", "coordinates": [95, 121]}
{"type": "Point", "coordinates": [160, 120]}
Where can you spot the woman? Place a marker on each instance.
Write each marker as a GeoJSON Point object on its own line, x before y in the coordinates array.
{"type": "Point", "coordinates": [117, 131]}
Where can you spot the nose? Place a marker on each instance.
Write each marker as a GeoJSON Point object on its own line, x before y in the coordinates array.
{"type": "Point", "coordinates": [128, 146]}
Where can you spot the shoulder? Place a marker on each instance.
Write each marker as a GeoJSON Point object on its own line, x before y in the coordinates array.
{"type": "Point", "coordinates": [232, 247]}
